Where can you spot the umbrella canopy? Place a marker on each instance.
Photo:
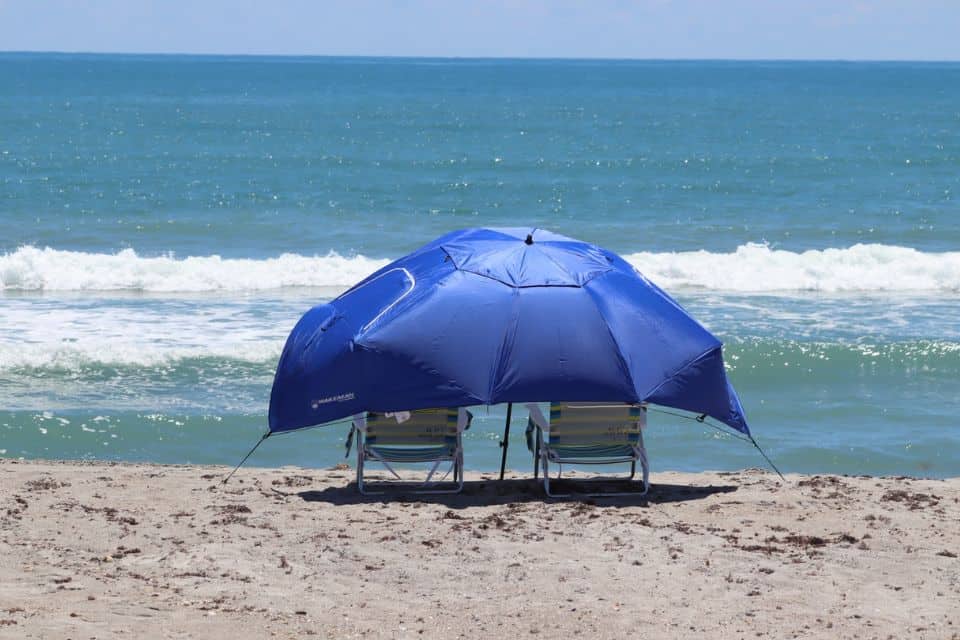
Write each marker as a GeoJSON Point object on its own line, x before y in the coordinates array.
{"type": "Point", "coordinates": [486, 316]}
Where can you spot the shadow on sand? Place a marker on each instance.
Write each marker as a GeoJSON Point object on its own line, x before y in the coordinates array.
{"type": "Point", "coordinates": [479, 493]}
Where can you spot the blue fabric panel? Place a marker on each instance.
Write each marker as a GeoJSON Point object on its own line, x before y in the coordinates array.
{"type": "Point", "coordinates": [559, 346]}
{"type": "Point", "coordinates": [480, 316]}
{"type": "Point", "coordinates": [452, 333]}
{"type": "Point", "coordinates": [702, 387]}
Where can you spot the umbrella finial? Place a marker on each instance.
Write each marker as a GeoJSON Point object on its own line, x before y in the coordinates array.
{"type": "Point", "coordinates": [529, 239]}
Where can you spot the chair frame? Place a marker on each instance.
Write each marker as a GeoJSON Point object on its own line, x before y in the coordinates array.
{"type": "Point", "coordinates": [380, 454]}
{"type": "Point", "coordinates": [544, 455]}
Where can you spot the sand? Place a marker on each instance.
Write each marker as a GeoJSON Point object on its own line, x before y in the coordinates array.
{"type": "Point", "coordinates": [122, 550]}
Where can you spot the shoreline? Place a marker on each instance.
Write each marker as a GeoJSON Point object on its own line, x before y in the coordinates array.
{"type": "Point", "coordinates": [348, 465]}
{"type": "Point", "coordinates": [110, 549]}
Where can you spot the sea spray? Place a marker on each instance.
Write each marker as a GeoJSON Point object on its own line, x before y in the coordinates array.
{"type": "Point", "coordinates": [751, 267]}
{"type": "Point", "coordinates": [759, 268]}
{"type": "Point", "coordinates": [33, 269]}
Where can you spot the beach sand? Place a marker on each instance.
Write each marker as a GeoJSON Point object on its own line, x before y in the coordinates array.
{"type": "Point", "coordinates": [96, 550]}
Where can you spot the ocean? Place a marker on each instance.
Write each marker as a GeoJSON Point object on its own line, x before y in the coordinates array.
{"type": "Point", "coordinates": [165, 220]}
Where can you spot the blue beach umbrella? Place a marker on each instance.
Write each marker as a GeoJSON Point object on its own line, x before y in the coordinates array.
{"type": "Point", "coordinates": [489, 316]}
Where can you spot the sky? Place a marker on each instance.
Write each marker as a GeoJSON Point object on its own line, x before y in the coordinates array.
{"type": "Point", "coordinates": [645, 29]}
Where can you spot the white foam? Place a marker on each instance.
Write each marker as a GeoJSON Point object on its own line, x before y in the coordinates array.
{"type": "Point", "coordinates": [756, 268]}
{"type": "Point", "coordinates": [33, 269]}
{"type": "Point", "coordinates": [41, 333]}
{"type": "Point", "coordinates": [751, 268]}
{"type": "Point", "coordinates": [77, 358]}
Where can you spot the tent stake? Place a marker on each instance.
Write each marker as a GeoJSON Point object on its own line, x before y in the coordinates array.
{"type": "Point", "coordinates": [265, 436]}
{"type": "Point", "coordinates": [506, 440]}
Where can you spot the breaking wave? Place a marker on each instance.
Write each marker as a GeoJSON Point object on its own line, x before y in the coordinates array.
{"type": "Point", "coordinates": [751, 268]}
{"type": "Point", "coordinates": [757, 268]}
{"type": "Point", "coordinates": [32, 269]}
{"type": "Point", "coordinates": [86, 355]}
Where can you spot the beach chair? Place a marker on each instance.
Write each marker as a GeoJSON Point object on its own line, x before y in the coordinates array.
{"type": "Point", "coordinates": [431, 436]}
{"type": "Point", "coordinates": [588, 433]}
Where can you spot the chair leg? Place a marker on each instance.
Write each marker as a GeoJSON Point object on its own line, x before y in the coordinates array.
{"type": "Point", "coordinates": [457, 469]}
{"type": "Point", "coordinates": [360, 462]}
{"type": "Point", "coordinates": [360, 473]}
{"type": "Point", "coordinates": [536, 459]}
{"type": "Point", "coordinates": [546, 480]}
{"type": "Point", "coordinates": [546, 477]}
{"type": "Point", "coordinates": [643, 482]}
{"type": "Point", "coordinates": [460, 468]}
{"type": "Point", "coordinates": [644, 463]}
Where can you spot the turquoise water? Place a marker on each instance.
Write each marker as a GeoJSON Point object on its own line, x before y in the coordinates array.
{"type": "Point", "coordinates": [164, 221]}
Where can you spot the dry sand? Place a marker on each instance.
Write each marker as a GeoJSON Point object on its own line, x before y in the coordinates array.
{"type": "Point", "coordinates": [103, 551]}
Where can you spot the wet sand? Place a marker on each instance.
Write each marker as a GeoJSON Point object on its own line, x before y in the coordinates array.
{"type": "Point", "coordinates": [95, 550]}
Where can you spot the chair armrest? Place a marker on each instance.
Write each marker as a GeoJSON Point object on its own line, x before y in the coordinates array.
{"type": "Point", "coordinates": [532, 431]}
{"type": "Point", "coordinates": [464, 419]}
{"type": "Point", "coordinates": [349, 444]}
{"type": "Point", "coordinates": [360, 422]}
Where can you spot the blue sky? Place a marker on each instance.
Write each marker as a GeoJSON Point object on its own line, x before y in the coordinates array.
{"type": "Point", "coordinates": [739, 29]}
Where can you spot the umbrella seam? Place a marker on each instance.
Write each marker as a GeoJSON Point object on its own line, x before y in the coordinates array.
{"type": "Point", "coordinates": [458, 267]}
{"type": "Point", "coordinates": [420, 367]}
{"type": "Point", "coordinates": [680, 370]}
{"type": "Point", "coordinates": [623, 363]}
{"type": "Point", "coordinates": [492, 382]}
{"type": "Point", "coordinates": [565, 270]}
{"type": "Point", "coordinates": [517, 286]}
{"type": "Point", "coordinates": [451, 258]}
{"type": "Point", "coordinates": [395, 306]}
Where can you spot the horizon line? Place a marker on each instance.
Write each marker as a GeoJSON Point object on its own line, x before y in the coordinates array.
{"type": "Point", "coordinates": [464, 57]}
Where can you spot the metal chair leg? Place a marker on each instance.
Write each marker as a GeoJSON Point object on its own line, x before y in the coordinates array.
{"type": "Point", "coordinates": [536, 458]}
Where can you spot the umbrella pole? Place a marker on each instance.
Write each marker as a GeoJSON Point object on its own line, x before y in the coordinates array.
{"type": "Point", "coordinates": [506, 440]}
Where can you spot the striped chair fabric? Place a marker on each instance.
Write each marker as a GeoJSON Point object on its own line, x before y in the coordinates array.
{"type": "Point", "coordinates": [421, 435]}
{"type": "Point", "coordinates": [588, 433]}
{"type": "Point", "coordinates": [435, 427]}
{"type": "Point", "coordinates": [582, 429]}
